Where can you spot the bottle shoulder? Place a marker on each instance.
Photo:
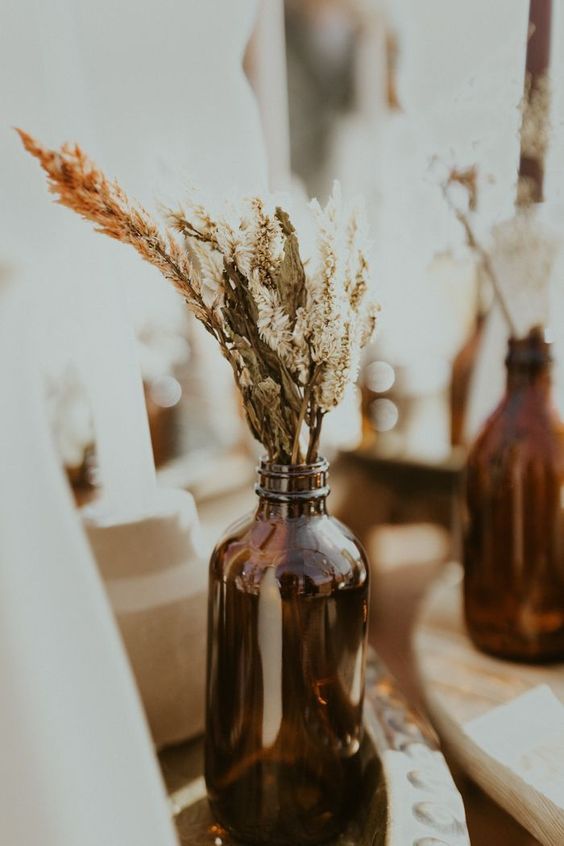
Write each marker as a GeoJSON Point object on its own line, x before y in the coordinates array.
{"type": "Point", "coordinates": [520, 428]}
{"type": "Point", "coordinates": [314, 553]}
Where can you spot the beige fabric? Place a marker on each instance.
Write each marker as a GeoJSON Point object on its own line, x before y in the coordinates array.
{"type": "Point", "coordinates": [156, 578]}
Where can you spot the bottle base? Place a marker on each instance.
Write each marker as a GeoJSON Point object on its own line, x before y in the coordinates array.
{"type": "Point", "coordinates": [291, 805]}
{"type": "Point", "coordinates": [267, 836]}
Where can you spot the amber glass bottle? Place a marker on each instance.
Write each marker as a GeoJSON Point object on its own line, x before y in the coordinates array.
{"type": "Point", "coordinates": [514, 545]}
{"type": "Point", "coordinates": [287, 633]}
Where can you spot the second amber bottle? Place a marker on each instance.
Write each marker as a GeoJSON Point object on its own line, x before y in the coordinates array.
{"type": "Point", "coordinates": [514, 546]}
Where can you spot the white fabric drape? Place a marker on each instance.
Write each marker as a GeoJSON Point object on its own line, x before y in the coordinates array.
{"type": "Point", "coordinates": [77, 765]}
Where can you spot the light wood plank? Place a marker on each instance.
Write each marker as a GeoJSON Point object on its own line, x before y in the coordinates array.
{"type": "Point", "coordinates": [460, 684]}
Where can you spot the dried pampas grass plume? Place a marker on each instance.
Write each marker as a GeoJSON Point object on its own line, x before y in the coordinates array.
{"type": "Point", "coordinates": [81, 186]}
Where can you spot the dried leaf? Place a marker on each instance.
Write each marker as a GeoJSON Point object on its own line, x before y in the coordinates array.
{"type": "Point", "coordinates": [290, 279]}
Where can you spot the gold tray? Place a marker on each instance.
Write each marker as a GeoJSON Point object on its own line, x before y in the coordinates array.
{"type": "Point", "coordinates": [409, 797]}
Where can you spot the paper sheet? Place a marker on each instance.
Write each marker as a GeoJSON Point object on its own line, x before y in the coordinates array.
{"type": "Point", "coordinates": [527, 736]}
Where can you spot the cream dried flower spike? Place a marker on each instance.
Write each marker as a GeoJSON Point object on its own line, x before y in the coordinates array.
{"type": "Point", "coordinates": [523, 254]}
{"type": "Point", "coordinates": [291, 330]}
{"type": "Point", "coordinates": [521, 258]}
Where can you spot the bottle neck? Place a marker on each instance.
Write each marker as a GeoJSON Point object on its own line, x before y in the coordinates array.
{"type": "Point", "coordinates": [529, 363]}
{"type": "Point", "coordinates": [292, 490]}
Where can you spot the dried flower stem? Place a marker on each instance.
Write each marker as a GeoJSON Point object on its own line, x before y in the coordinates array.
{"type": "Point", "coordinates": [296, 452]}
{"type": "Point", "coordinates": [475, 245]}
{"type": "Point", "coordinates": [314, 436]}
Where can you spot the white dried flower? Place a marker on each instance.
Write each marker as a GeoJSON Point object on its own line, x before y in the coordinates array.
{"type": "Point", "coordinates": [340, 316]}
{"type": "Point", "coordinates": [326, 298]}
{"type": "Point", "coordinates": [273, 323]}
{"type": "Point", "coordinates": [262, 241]}
{"type": "Point", "coordinates": [523, 254]}
{"type": "Point", "coordinates": [299, 359]}
{"type": "Point", "coordinates": [208, 265]}
{"type": "Point", "coordinates": [336, 372]}
{"type": "Point", "coordinates": [228, 240]}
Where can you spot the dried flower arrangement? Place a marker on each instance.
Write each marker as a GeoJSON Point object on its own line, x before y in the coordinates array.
{"type": "Point", "coordinates": [291, 330]}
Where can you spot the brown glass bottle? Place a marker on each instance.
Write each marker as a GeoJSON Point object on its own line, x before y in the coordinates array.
{"type": "Point", "coordinates": [287, 633]}
{"type": "Point", "coordinates": [514, 544]}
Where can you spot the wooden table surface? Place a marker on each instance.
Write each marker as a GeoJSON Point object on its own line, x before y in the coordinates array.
{"type": "Point", "coordinates": [460, 683]}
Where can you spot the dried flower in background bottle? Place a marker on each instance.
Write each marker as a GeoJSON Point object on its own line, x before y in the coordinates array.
{"type": "Point", "coordinates": [514, 545]}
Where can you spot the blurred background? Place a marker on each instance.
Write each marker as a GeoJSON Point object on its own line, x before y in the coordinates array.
{"type": "Point", "coordinates": [384, 95]}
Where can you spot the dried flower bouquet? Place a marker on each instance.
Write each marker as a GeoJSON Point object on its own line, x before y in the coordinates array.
{"type": "Point", "coordinates": [291, 330]}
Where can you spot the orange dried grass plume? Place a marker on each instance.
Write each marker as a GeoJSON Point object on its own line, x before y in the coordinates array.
{"type": "Point", "coordinates": [79, 185]}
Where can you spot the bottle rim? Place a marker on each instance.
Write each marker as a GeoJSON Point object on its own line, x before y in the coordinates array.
{"type": "Point", "coordinates": [292, 482]}
{"type": "Point", "coordinates": [531, 351]}
{"type": "Point", "coordinates": [284, 470]}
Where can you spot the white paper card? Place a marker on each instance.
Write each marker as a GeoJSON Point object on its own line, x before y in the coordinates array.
{"type": "Point", "coordinates": [527, 736]}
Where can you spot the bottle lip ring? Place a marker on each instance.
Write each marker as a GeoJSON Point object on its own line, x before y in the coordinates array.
{"type": "Point", "coordinates": [292, 496]}
{"type": "Point", "coordinates": [283, 471]}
